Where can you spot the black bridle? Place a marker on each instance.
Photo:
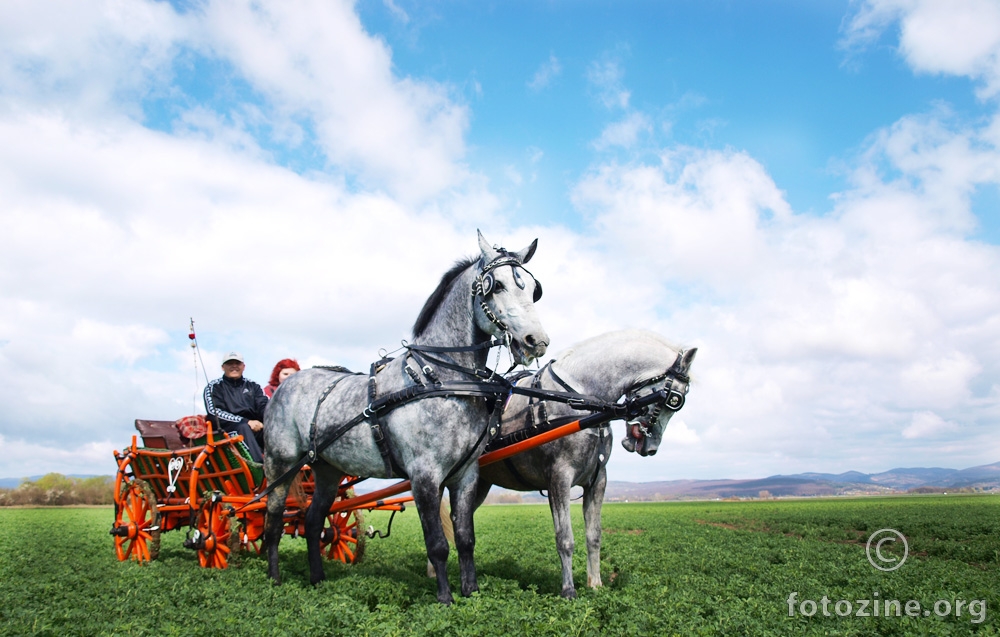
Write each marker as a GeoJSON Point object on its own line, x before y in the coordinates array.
{"type": "Point", "coordinates": [485, 284]}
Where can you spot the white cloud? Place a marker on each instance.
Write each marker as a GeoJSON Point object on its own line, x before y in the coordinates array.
{"type": "Point", "coordinates": [309, 64]}
{"type": "Point", "coordinates": [625, 133]}
{"type": "Point", "coordinates": [101, 54]}
{"type": "Point", "coordinates": [927, 424]}
{"type": "Point", "coordinates": [396, 11]}
{"type": "Point", "coordinates": [545, 73]}
{"type": "Point", "coordinates": [958, 37]}
{"type": "Point", "coordinates": [606, 77]}
{"type": "Point", "coordinates": [817, 335]}
{"type": "Point", "coordinates": [678, 433]}
{"type": "Point", "coordinates": [24, 459]}
{"type": "Point", "coordinates": [313, 60]}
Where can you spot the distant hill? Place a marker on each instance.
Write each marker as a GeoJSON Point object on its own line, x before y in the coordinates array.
{"type": "Point", "coordinates": [984, 478]}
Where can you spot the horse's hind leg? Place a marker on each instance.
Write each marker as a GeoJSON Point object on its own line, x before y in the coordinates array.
{"type": "Point", "coordinates": [559, 489]}
{"type": "Point", "coordinates": [427, 496]}
{"type": "Point", "coordinates": [593, 498]}
{"type": "Point", "coordinates": [327, 487]}
{"type": "Point", "coordinates": [463, 503]}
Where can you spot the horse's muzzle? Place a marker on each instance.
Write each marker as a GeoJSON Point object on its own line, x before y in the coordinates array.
{"type": "Point", "coordinates": [532, 348]}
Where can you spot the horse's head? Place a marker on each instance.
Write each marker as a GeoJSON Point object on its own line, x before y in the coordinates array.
{"type": "Point", "coordinates": [643, 433]}
{"type": "Point", "coordinates": [504, 295]}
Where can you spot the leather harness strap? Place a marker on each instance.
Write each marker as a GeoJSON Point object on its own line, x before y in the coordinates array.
{"type": "Point", "coordinates": [392, 468]}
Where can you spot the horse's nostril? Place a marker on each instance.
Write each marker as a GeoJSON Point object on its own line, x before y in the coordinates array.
{"type": "Point", "coordinates": [652, 452]}
{"type": "Point", "coordinates": [530, 340]}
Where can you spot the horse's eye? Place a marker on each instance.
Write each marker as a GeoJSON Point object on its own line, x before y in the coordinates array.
{"type": "Point", "coordinates": [498, 287]}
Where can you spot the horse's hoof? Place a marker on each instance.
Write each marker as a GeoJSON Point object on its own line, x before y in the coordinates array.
{"type": "Point", "coordinates": [569, 593]}
{"type": "Point", "coordinates": [447, 600]}
{"type": "Point", "coordinates": [470, 591]}
{"type": "Point", "coordinates": [316, 580]}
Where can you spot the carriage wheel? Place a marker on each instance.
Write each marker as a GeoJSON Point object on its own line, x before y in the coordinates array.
{"type": "Point", "coordinates": [343, 535]}
{"type": "Point", "coordinates": [215, 528]}
{"type": "Point", "coordinates": [137, 523]}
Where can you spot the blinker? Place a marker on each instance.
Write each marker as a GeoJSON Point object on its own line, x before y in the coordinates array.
{"type": "Point", "coordinates": [489, 282]}
{"type": "Point", "coordinates": [517, 278]}
{"type": "Point", "coordinates": [675, 400]}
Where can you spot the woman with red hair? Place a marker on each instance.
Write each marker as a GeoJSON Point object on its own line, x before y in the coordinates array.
{"type": "Point", "coordinates": [285, 368]}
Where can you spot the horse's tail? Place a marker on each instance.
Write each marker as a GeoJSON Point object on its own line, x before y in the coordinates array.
{"type": "Point", "coordinates": [446, 524]}
{"type": "Point", "coordinates": [295, 489]}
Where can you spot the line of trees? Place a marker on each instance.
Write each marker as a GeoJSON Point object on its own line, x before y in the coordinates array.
{"type": "Point", "coordinates": [55, 489]}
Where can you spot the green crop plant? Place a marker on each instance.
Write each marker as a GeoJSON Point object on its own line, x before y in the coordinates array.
{"type": "Point", "coordinates": [693, 568]}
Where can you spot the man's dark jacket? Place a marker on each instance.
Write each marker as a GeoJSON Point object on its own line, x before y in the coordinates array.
{"type": "Point", "coordinates": [232, 404]}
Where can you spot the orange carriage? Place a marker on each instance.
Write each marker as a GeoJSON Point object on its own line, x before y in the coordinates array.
{"type": "Point", "coordinates": [207, 485]}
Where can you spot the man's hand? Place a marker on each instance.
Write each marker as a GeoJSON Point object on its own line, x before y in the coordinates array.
{"type": "Point", "coordinates": [256, 425]}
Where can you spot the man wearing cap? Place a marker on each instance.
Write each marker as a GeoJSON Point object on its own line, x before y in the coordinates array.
{"type": "Point", "coordinates": [236, 405]}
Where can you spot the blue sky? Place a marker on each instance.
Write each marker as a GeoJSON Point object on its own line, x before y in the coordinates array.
{"type": "Point", "coordinates": [771, 78]}
{"type": "Point", "coordinates": [808, 192]}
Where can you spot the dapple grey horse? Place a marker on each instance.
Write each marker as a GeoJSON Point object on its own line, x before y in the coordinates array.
{"type": "Point", "coordinates": [607, 367]}
{"type": "Point", "coordinates": [433, 439]}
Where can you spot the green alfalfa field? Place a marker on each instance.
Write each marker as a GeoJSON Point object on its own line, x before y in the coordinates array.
{"type": "Point", "coordinates": [695, 568]}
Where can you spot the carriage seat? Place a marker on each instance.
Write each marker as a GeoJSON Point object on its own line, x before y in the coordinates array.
{"type": "Point", "coordinates": [160, 434]}
{"type": "Point", "coordinates": [168, 435]}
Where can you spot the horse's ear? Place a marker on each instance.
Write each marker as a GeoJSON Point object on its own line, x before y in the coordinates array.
{"type": "Point", "coordinates": [687, 358]}
{"type": "Point", "coordinates": [488, 252]}
{"type": "Point", "coordinates": [526, 254]}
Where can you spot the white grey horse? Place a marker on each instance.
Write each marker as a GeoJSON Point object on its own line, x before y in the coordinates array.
{"type": "Point", "coordinates": [434, 441]}
{"type": "Point", "coordinates": [607, 367]}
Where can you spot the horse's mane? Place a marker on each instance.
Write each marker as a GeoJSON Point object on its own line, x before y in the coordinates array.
{"type": "Point", "coordinates": [437, 297]}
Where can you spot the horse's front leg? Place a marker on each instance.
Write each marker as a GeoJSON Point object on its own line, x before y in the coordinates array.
{"type": "Point", "coordinates": [427, 496]}
{"type": "Point", "coordinates": [327, 487]}
{"type": "Point", "coordinates": [593, 498]}
{"type": "Point", "coordinates": [559, 488]}
{"type": "Point", "coordinates": [463, 504]}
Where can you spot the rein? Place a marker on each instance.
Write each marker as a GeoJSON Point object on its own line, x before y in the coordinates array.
{"type": "Point", "coordinates": [631, 408]}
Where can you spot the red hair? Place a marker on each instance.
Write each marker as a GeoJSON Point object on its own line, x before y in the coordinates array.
{"type": "Point", "coordinates": [283, 364]}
